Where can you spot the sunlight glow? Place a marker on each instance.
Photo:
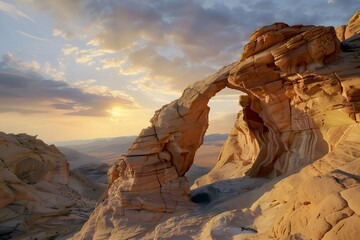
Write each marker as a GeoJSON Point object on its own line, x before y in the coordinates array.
{"type": "Point", "coordinates": [115, 113]}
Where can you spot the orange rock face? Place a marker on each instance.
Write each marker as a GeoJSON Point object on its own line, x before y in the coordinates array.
{"type": "Point", "coordinates": [38, 192]}
{"type": "Point", "coordinates": [302, 109]}
{"type": "Point", "coordinates": [151, 174]}
{"type": "Point", "coordinates": [286, 94]}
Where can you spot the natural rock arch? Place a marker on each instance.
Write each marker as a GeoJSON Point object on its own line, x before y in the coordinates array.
{"type": "Point", "coordinates": [297, 80]}
{"type": "Point", "coordinates": [156, 162]}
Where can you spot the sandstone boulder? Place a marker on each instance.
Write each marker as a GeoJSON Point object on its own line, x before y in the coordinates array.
{"type": "Point", "coordinates": [39, 196]}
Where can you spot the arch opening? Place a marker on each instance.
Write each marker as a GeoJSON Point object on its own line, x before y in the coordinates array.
{"type": "Point", "coordinates": [224, 108]}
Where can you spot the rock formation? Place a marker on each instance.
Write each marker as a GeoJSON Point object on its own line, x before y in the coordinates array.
{"type": "Point", "coordinates": [39, 197]}
{"type": "Point", "coordinates": [296, 137]}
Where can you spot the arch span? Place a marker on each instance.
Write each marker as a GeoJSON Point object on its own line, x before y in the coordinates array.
{"type": "Point", "coordinates": [153, 169]}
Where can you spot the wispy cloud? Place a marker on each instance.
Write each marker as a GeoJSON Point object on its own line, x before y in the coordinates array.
{"type": "Point", "coordinates": [32, 36]}
{"type": "Point", "coordinates": [69, 50]}
{"type": "Point", "coordinates": [116, 63]}
{"type": "Point", "coordinates": [66, 35]}
{"type": "Point", "coordinates": [87, 56]}
{"type": "Point", "coordinates": [13, 11]}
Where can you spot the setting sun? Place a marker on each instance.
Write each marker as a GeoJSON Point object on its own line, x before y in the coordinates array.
{"type": "Point", "coordinates": [115, 112]}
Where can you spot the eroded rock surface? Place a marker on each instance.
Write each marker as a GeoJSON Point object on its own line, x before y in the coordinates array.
{"type": "Point", "coordinates": [290, 119]}
{"type": "Point", "coordinates": [300, 113]}
{"type": "Point", "coordinates": [39, 197]}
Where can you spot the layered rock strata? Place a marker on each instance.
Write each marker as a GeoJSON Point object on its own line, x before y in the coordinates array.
{"type": "Point", "coordinates": [301, 107]}
{"type": "Point", "coordinates": [164, 152]}
{"type": "Point", "coordinates": [39, 197]}
{"type": "Point", "coordinates": [292, 115]}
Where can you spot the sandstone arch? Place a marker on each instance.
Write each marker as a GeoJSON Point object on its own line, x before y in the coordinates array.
{"type": "Point", "coordinates": [302, 96]}
{"type": "Point", "coordinates": [158, 159]}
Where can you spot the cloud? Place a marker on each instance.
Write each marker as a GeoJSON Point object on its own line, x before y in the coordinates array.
{"type": "Point", "coordinates": [52, 72]}
{"type": "Point", "coordinates": [199, 34]}
{"type": "Point", "coordinates": [116, 63]}
{"type": "Point", "coordinates": [32, 36]}
{"type": "Point", "coordinates": [23, 111]}
{"type": "Point", "coordinates": [162, 74]}
{"type": "Point", "coordinates": [25, 90]}
{"type": "Point", "coordinates": [32, 69]}
{"type": "Point", "coordinates": [13, 11]}
{"type": "Point", "coordinates": [86, 55]}
{"type": "Point", "coordinates": [205, 34]}
{"type": "Point", "coordinates": [68, 35]}
{"type": "Point", "coordinates": [63, 10]}
{"type": "Point", "coordinates": [69, 50]}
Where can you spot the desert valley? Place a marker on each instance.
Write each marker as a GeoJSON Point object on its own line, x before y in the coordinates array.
{"type": "Point", "coordinates": [288, 169]}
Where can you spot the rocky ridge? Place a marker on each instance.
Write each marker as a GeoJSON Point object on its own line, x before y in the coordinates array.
{"type": "Point", "coordinates": [289, 168]}
{"type": "Point", "coordinates": [39, 197]}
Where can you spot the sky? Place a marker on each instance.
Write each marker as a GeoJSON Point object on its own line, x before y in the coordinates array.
{"type": "Point", "coordinates": [85, 69]}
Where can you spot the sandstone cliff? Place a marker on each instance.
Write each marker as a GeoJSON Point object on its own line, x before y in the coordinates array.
{"type": "Point", "coordinates": [39, 197]}
{"type": "Point", "coordinates": [290, 168]}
